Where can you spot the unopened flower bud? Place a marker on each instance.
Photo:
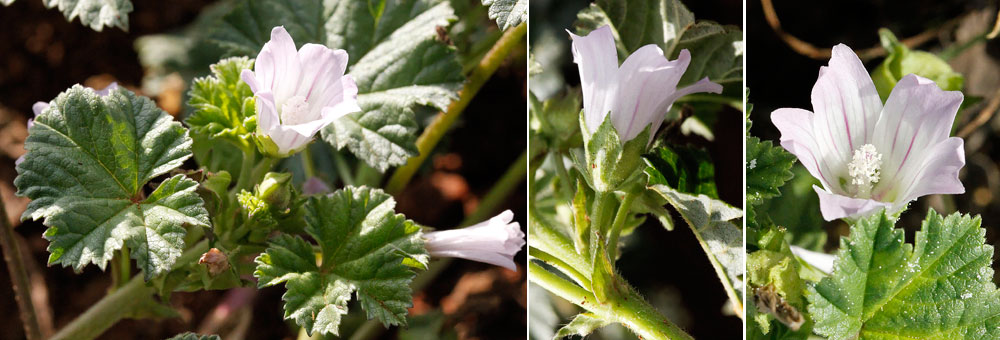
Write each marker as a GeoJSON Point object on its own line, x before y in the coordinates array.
{"type": "Point", "coordinates": [275, 190]}
{"type": "Point", "coordinates": [216, 261]}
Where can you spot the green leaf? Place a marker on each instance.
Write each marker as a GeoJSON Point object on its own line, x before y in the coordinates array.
{"type": "Point", "coordinates": [716, 50]}
{"type": "Point", "coordinates": [92, 13]}
{"type": "Point", "coordinates": [582, 325]}
{"type": "Point", "coordinates": [395, 59]}
{"type": "Point", "coordinates": [222, 102]}
{"type": "Point", "coordinates": [362, 244]}
{"type": "Point", "coordinates": [768, 168]}
{"type": "Point", "coordinates": [797, 209]}
{"type": "Point", "coordinates": [687, 170]}
{"type": "Point", "coordinates": [88, 162]}
{"type": "Point", "coordinates": [194, 336]}
{"type": "Point", "coordinates": [712, 222]}
{"type": "Point", "coordinates": [223, 107]}
{"type": "Point", "coordinates": [508, 13]}
{"type": "Point", "coordinates": [902, 61]}
{"type": "Point", "coordinates": [555, 119]}
{"type": "Point", "coordinates": [941, 287]}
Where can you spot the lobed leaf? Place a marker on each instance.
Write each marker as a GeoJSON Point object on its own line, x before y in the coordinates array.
{"type": "Point", "coordinates": [508, 13]}
{"type": "Point", "coordinates": [88, 162]}
{"type": "Point", "coordinates": [363, 245]}
{"type": "Point", "coordinates": [95, 14]}
{"type": "Point", "coordinates": [941, 287]}
{"type": "Point", "coordinates": [768, 168]}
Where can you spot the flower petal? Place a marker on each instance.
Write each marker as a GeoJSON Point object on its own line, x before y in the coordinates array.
{"type": "Point", "coordinates": [645, 82]}
{"type": "Point", "coordinates": [597, 59]}
{"type": "Point", "coordinates": [917, 116]}
{"type": "Point", "coordinates": [846, 103]}
{"type": "Point", "coordinates": [251, 79]}
{"type": "Point", "coordinates": [823, 262]}
{"type": "Point", "coordinates": [834, 206]}
{"type": "Point", "coordinates": [39, 107]}
{"type": "Point", "coordinates": [277, 66]}
{"type": "Point", "coordinates": [797, 137]}
{"type": "Point", "coordinates": [938, 171]}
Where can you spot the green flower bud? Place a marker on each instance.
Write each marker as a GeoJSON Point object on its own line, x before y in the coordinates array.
{"type": "Point", "coordinates": [276, 190]}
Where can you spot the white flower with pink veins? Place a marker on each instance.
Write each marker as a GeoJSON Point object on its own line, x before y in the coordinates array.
{"type": "Point", "coordinates": [869, 156]}
{"type": "Point", "coordinates": [298, 92]}
{"type": "Point", "coordinates": [495, 241]}
{"type": "Point", "coordinates": [638, 93]}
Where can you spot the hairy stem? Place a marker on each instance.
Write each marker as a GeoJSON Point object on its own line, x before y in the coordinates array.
{"type": "Point", "coordinates": [616, 228]}
{"type": "Point", "coordinates": [307, 163]}
{"type": "Point", "coordinates": [18, 276]}
{"type": "Point", "coordinates": [343, 170]}
{"type": "Point", "coordinates": [433, 133]}
{"type": "Point", "coordinates": [119, 304]}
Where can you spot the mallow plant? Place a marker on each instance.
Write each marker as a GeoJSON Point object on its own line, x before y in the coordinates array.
{"type": "Point", "coordinates": [598, 170]}
{"type": "Point", "coordinates": [865, 159]}
{"type": "Point", "coordinates": [212, 202]}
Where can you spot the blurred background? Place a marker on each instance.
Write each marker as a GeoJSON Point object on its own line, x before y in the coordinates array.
{"type": "Point", "coordinates": [42, 54]}
{"type": "Point", "coordinates": [780, 76]}
{"type": "Point", "coordinates": [668, 267]}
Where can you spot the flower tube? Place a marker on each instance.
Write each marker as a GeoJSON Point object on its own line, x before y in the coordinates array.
{"type": "Point", "coordinates": [494, 241]}
{"type": "Point", "coordinates": [868, 156]}
{"type": "Point", "coordinates": [298, 92]}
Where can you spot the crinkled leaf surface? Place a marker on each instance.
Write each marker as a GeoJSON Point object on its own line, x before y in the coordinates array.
{"type": "Point", "coordinates": [362, 244]}
{"type": "Point", "coordinates": [223, 106]}
{"type": "Point", "coordinates": [941, 287]}
{"type": "Point", "coordinates": [768, 168]}
{"type": "Point", "coordinates": [222, 101]}
{"type": "Point", "coordinates": [716, 50]}
{"type": "Point", "coordinates": [508, 13]}
{"type": "Point", "coordinates": [395, 59]}
{"type": "Point", "coordinates": [722, 238]}
{"type": "Point", "coordinates": [93, 13]}
{"type": "Point", "coordinates": [89, 159]}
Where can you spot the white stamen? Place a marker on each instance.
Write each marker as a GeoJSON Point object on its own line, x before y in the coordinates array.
{"type": "Point", "coordinates": [865, 168]}
{"type": "Point", "coordinates": [295, 111]}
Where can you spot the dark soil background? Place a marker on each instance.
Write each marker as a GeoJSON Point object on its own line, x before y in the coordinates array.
{"type": "Point", "coordinates": [780, 77]}
{"type": "Point", "coordinates": [668, 267]}
{"type": "Point", "coordinates": [41, 54]}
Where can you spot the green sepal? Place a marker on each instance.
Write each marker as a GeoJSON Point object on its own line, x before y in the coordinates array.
{"type": "Point", "coordinates": [610, 161]}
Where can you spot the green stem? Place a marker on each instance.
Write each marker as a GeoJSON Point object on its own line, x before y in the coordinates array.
{"type": "Point", "coordinates": [616, 228]}
{"type": "Point", "coordinates": [645, 321]}
{"type": "Point", "coordinates": [342, 169]}
{"type": "Point", "coordinates": [567, 184]}
{"type": "Point", "coordinates": [560, 264]}
{"type": "Point", "coordinates": [503, 187]}
{"type": "Point", "coordinates": [562, 288]}
{"type": "Point", "coordinates": [604, 205]}
{"type": "Point", "coordinates": [18, 276]}
{"type": "Point", "coordinates": [433, 133]}
{"type": "Point", "coordinates": [119, 304]}
{"type": "Point", "coordinates": [246, 170]}
{"type": "Point", "coordinates": [121, 269]}
{"type": "Point", "coordinates": [307, 163]}
{"type": "Point", "coordinates": [629, 308]}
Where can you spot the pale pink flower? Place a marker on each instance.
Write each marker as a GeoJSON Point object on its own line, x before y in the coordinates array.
{"type": "Point", "coordinates": [298, 92]}
{"type": "Point", "coordinates": [495, 241]}
{"type": "Point", "coordinates": [638, 93]}
{"type": "Point", "coordinates": [868, 156]}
